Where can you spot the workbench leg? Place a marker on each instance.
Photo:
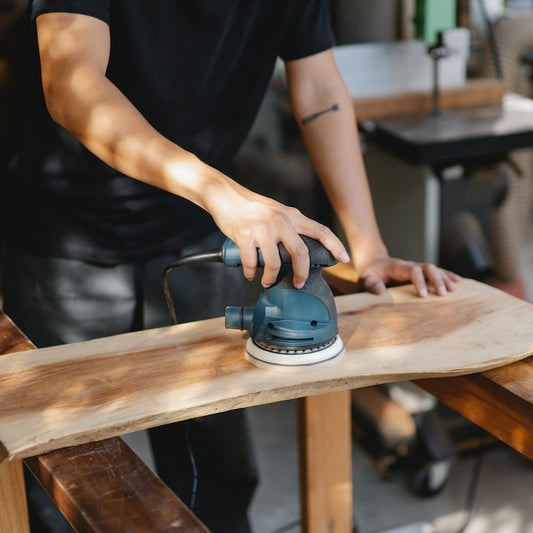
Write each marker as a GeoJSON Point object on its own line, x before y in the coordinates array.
{"type": "Point", "coordinates": [13, 507]}
{"type": "Point", "coordinates": [325, 450]}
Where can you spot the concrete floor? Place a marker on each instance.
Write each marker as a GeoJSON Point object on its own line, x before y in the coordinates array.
{"type": "Point", "coordinates": [502, 504]}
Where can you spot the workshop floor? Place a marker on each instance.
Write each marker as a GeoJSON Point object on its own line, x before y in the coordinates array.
{"type": "Point", "coordinates": [502, 502]}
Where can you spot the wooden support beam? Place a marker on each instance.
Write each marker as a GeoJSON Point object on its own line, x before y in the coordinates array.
{"type": "Point", "coordinates": [115, 385]}
{"type": "Point", "coordinates": [13, 509]}
{"type": "Point", "coordinates": [103, 487]}
{"type": "Point", "coordinates": [500, 401]}
{"type": "Point", "coordinates": [325, 446]}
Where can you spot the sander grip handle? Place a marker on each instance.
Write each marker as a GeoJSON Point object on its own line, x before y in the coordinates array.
{"type": "Point", "coordinates": [319, 255]}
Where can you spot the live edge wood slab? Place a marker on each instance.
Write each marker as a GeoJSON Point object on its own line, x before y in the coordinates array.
{"type": "Point", "coordinates": [99, 487]}
{"type": "Point", "coordinates": [499, 400]}
{"type": "Point", "coordinates": [72, 394]}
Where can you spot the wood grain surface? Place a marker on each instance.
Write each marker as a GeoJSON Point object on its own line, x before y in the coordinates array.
{"type": "Point", "coordinates": [83, 392]}
{"type": "Point", "coordinates": [325, 454]}
{"type": "Point", "coordinates": [13, 507]}
{"type": "Point", "coordinates": [98, 487]}
{"type": "Point", "coordinates": [499, 400]}
{"type": "Point", "coordinates": [104, 487]}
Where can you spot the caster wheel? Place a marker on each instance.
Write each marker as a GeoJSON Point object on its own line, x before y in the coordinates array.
{"type": "Point", "coordinates": [430, 479]}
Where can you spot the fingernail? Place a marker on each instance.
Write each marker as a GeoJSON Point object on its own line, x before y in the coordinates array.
{"type": "Point", "coordinates": [299, 285]}
{"type": "Point", "coordinates": [423, 293]}
{"type": "Point", "coordinates": [345, 258]}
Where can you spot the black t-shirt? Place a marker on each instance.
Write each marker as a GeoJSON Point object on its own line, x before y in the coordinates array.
{"type": "Point", "coordinates": [197, 70]}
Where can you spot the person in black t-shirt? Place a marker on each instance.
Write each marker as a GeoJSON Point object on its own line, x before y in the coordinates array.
{"type": "Point", "coordinates": [130, 113]}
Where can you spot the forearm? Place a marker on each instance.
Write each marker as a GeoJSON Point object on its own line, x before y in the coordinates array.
{"type": "Point", "coordinates": [74, 52]}
{"type": "Point", "coordinates": [332, 142]}
{"type": "Point", "coordinates": [324, 111]}
{"type": "Point", "coordinates": [102, 118]}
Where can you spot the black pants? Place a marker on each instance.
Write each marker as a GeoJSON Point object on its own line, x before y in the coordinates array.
{"type": "Point", "coordinates": [57, 301]}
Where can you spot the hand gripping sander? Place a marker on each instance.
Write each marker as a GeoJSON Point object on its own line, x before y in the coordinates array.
{"type": "Point", "coordinates": [288, 327]}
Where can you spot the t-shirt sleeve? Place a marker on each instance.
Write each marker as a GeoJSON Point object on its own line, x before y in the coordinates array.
{"type": "Point", "coordinates": [308, 29]}
{"type": "Point", "coordinates": [94, 8]}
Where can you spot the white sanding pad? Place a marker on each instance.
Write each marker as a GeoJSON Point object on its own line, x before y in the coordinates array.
{"type": "Point", "coordinates": [292, 361]}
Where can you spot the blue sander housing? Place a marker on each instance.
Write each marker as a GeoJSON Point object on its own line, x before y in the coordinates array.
{"type": "Point", "coordinates": [288, 327]}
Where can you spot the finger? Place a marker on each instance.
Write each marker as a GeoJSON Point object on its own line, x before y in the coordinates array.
{"type": "Point", "coordinates": [453, 276]}
{"type": "Point", "coordinates": [272, 261]}
{"type": "Point", "coordinates": [419, 281]}
{"type": "Point", "coordinates": [327, 238]}
{"type": "Point", "coordinates": [248, 255]}
{"type": "Point", "coordinates": [436, 278]}
{"type": "Point", "coordinates": [449, 280]}
{"type": "Point", "coordinates": [374, 284]}
{"type": "Point", "coordinates": [402, 271]}
{"type": "Point", "coordinates": [300, 259]}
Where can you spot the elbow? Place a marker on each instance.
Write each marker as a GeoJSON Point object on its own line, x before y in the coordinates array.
{"type": "Point", "coordinates": [55, 102]}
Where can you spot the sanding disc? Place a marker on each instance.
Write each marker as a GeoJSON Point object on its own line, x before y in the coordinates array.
{"type": "Point", "coordinates": [292, 360]}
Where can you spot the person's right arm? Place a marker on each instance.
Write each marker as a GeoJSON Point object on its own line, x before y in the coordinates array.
{"type": "Point", "coordinates": [74, 51]}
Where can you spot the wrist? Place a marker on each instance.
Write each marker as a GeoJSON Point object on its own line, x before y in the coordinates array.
{"type": "Point", "coordinates": [364, 254]}
{"type": "Point", "coordinates": [194, 180]}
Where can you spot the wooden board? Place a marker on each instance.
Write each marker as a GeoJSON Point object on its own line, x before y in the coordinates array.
{"type": "Point", "coordinates": [476, 92]}
{"type": "Point", "coordinates": [104, 487]}
{"type": "Point", "coordinates": [140, 500]}
{"type": "Point", "coordinates": [83, 392]}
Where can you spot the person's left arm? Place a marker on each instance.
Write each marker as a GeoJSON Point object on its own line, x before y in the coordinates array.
{"type": "Point", "coordinates": [324, 111]}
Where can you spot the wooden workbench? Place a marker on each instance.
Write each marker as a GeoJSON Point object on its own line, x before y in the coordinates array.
{"type": "Point", "coordinates": [99, 486]}
{"type": "Point", "coordinates": [499, 400]}
{"type": "Point", "coordinates": [84, 392]}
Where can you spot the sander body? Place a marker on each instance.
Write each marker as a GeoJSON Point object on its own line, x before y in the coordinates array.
{"type": "Point", "coordinates": [288, 327]}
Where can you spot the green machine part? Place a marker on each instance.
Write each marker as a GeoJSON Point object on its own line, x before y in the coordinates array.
{"type": "Point", "coordinates": [434, 16]}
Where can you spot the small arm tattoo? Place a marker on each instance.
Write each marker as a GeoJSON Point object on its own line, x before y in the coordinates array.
{"type": "Point", "coordinates": [310, 118]}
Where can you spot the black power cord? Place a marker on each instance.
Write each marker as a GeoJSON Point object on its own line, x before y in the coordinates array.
{"type": "Point", "coordinates": [471, 493]}
{"type": "Point", "coordinates": [208, 256]}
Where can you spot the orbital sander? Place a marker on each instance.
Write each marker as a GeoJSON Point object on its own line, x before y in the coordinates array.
{"type": "Point", "coordinates": [288, 327]}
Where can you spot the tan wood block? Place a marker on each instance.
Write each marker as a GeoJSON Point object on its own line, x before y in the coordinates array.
{"type": "Point", "coordinates": [13, 509]}
{"type": "Point", "coordinates": [325, 446]}
{"type": "Point", "coordinates": [395, 424]}
{"type": "Point", "coordinates": [76, 393]}
{"type": "Point", "coordinates": [476, 92]}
